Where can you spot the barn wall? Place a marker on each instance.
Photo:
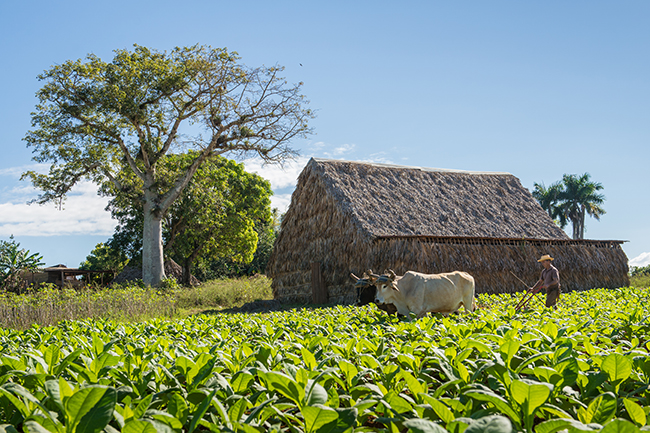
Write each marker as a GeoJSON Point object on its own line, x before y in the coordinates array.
{"type": "Point", "coordinates": [582, 266]}
{"type": "Point", "coordinates": [315, 230]}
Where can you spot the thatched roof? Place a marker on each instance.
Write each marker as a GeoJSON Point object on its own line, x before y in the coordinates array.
{"type": "Point", "coordinates": [393, 200]}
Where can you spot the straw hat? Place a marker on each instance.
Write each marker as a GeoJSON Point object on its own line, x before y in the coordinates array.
{"type": "Point", "coordinates": [545, 257]}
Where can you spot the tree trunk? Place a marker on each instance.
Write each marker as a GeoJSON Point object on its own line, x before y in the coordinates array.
{"type": "Point", "coordinates": [187, 272]}
{"type": "Point", "coordinates": [575, 224]}
{"type": "Point", "coordinates": [153, 266]}
{"type": "Point", "coordinates": [582, 222]}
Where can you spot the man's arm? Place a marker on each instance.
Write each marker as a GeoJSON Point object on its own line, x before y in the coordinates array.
{"type": "Point", "coordinates": [536, 286]}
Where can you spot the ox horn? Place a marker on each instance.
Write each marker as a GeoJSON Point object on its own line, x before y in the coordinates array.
{"type": "Point", "coordinates": [369, 273]}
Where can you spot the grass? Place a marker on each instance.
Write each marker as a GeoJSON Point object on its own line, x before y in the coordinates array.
{"type": "Point", "coordinates": [639, 281]}
{"type": "Point", "coordinates": [127, 303]}
{"type": "Point", "coordinates": [50, 304]}
{"type": "Point", "coordinates": [223, 294]}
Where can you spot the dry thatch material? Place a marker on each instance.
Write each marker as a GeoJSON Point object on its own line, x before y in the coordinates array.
{"type": "Point", "coordinates": [172, 270]}
{"type": "Point", "coordinates": [351, 216]}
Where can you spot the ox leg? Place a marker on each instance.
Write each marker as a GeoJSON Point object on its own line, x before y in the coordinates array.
{"type": "Point", "coordinates": [469, 304]}
{"type": "Point", "coordinates": [405, 312]}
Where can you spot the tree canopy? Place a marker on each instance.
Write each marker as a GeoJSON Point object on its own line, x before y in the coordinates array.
{"type": "Point", "coordinates": [215, 217]}
{"type": "Point", "coordinates": [571, 200]}
{"type": "Point", "coordinates": [104, 258]}
{"type": "Point", "coordinates": [96, 119]}
{"type": "Point", "coordinates": [13, 261]}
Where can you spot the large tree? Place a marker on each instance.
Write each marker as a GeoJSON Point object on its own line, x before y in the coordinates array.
{"type": "Point", "coordinates": [572, 199]}
{"type": "Point", "coordinates": [579, 198]}
{"type": "Point", "coordinates": [96, 119]}
{"type": "Point", "coordinates": [215, 216]}
{"type": "Point", "coordinates": [549, 199]}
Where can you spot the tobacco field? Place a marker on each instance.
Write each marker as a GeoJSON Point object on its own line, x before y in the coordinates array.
{"type": "Point", "coordinates": [581, 367]}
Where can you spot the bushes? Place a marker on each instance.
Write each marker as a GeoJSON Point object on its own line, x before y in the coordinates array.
{"type": "Point", "coordinates": [640, 276]}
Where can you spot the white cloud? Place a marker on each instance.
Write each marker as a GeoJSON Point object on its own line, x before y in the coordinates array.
{"type": "Point", "coordinates": [17, 171]}
{"type": "Point", "coordinates": [83, 214]}
{"type": "Point", "coordinates": [341, 150]}
{"type": "Point", "coordinates": [281, 202]}
{"type": "Point", "coordinates": [280, 176]}
{"type": "Point", "coordinates": [642, 259]}
{"type": "Point", "coordinates": [379, 157]}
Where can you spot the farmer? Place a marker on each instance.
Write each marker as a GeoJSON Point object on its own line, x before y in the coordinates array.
{"type": "Point", "coordinates": [549, 280]}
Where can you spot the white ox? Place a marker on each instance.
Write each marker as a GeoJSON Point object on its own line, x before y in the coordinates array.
{"type": "Point", "coordinates": [424, 293]}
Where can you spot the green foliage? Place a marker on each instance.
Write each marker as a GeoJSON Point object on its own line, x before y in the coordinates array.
{"type": "Point", "coordinates": [218, 216]}
{"type": "Point", "coordinates": [640, 276]}
{"type": "Point", "coordinates": [638, 271]}
{"type": "Point", "coordinates": [104, 257]}
{"type": "Point", "coordinates": [13, 261]}
{"type": "Point", "coordinates": [108, 122]}
{"type": "Point", "coordinates": [227, 267]}
{"type": "Point", "coordinates": [571, 200]}
{"type": "Point", "coordinates": [582, 367]}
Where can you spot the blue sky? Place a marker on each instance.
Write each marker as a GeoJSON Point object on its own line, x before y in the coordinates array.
{"type": "Point", "coordinates": [537, 89]}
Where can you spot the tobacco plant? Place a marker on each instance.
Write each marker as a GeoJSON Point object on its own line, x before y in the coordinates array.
{"type": "Point", "coordinates": [582, 367]}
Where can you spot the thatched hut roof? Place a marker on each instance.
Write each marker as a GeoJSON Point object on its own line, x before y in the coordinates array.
{"type": "Point", "coordinates": [351, 216]}
{"type": "Point", "coordinates": [393, 200]}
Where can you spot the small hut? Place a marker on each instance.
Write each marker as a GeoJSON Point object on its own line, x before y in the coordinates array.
{"type": "Point", "coordinates": [351, 216]}
{"type": "Point", "coordinates": [60, 275]}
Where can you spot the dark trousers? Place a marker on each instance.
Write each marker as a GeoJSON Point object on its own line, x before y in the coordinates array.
{"type": "Point", "coordinates": [552, 295]}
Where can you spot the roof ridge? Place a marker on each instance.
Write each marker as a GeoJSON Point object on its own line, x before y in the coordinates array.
{"type": "Point", "coordinates": [410, 167]}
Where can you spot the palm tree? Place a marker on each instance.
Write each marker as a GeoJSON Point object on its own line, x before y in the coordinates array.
{"type": "Point", "coordinates": [579, 197]}
{"type": "Point", "coordinates": [549, 199]}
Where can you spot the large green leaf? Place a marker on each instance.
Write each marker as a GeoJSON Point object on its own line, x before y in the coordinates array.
{"type": "Point", "coordinates": [90, 409]}
{"type": "Point", "coordinates": [315, 394]}
{"type": "Point", "coordinates": [490, 424]}
{"type": "Point", "coordinates": [617, 367]}
{"type": "Point", "coordinates": [416, 425]}
{"type": "Point", "coordinates": [139, 426]}
{"type": "Point", "coordinates": [636, 412]}
{"type": "Point", "coordinates": [200, 411]}
{"type": "Point", "coordinates": [443, 412]}
{"type": "Point", "coordinates": [319, 418]}
{"type": "Point", "coordinates": [241, 381]}
{"type": "Point", "coordinates": [285, 385]}
{"type": "Point", "coordinates": [600, 410]}
{"type": "Point", "coordinates": [530, 395]}
{"type": "Point", "coordinates": [620, 426]}
{"type": "Point", "coordinates": [558, 424]}
{"type": "Point", "coordinates": [499, 403]}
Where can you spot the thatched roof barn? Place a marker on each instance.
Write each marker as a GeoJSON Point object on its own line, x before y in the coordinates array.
{"type": "Point", "coordinates": [351, 216]}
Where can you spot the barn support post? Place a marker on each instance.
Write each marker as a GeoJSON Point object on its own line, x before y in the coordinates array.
{"type": "Point", "coordinates": [318, 288]}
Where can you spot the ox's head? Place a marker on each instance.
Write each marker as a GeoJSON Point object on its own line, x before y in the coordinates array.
{"type": "Point", "coordinates": [365, 287]}
{"type": "Point", "coordinates": [386, 288]}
